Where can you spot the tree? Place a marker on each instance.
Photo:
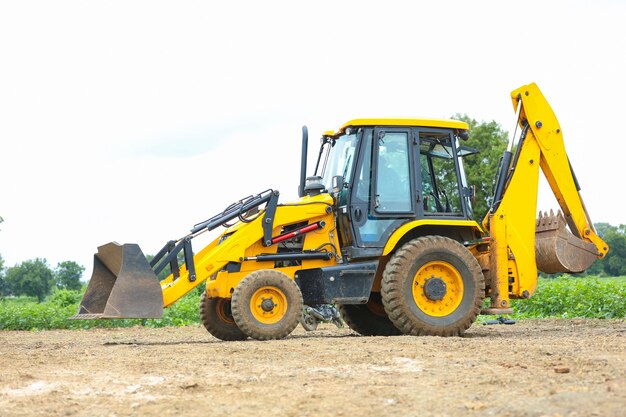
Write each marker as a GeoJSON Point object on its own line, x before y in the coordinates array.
{"type": "Point", "coordinates": [614, 264]}
{"type": "Point", "coordinates": [491, 140]}
{"type": "Point", "coordinates": [67, 275]}
{"type": "Point", "coordinates": [4, 286]}
{"type": "Point", "coordinates": [597, 267]}
{"type": "Point", "coordinates": [33, 278]}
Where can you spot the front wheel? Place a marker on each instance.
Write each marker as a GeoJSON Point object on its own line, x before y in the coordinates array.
{"type": "Point", "coordinates": [433, 285]}
{"type": "Point", "coordinates": [267, 304]}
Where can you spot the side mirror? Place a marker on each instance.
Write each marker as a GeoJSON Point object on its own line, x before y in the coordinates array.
{"type": "Point", "coordinates": [472, 194]}
{"type": "Point", "coordinates": [337, 184]}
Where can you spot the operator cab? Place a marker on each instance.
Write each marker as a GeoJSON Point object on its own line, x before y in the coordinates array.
{"type": "Point", "coordinates": [386, 172]}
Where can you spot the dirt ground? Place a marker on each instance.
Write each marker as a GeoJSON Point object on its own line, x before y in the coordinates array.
{"type": "Point", "coordinates": [532, 368]}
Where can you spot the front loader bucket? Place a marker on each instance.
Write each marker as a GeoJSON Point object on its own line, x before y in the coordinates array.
{"type": "Point", "coordinates": [557, 249]}
{"type": "Point", "coordinates": [123, 285]}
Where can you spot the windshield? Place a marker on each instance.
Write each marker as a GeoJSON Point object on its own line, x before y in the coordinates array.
{"type": "Point", "coordinates": [339, 158]}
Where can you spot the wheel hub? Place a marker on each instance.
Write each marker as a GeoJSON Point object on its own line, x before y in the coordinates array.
{"type": "Point", "coordinates": [267, 304]}
{"type": "Point", "coordinates": [435, 288]}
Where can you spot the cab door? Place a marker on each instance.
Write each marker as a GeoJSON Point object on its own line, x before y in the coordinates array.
{"type": "Point", "coordinates": [393, 185]}
{"type": "Point", "coordinates": [383, 194]}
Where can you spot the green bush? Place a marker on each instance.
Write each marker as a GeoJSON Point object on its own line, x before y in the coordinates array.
{"type": "Point", "coordinates": [65, 298]}
{"type": "Point", "coordinates": [184, 312]}
{"type": "Point", "coordinates": [555, 297]}
{"type": "Point", "coordinates": [15, 315]}
{"type": "Point", "coordinates": [567, 296]}
{"type": "Point", "coordinates": [24, 313]}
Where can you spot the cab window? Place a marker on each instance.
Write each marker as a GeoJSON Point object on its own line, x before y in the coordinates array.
{"type": "Point", "coordinates": [440, 182]}
{"type": "Point", "coordinates": [393, 182]}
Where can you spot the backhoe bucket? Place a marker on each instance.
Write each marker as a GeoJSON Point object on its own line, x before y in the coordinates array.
{"type": "Point", "coordinates": [557, 249]}
{"type": "Point", "coordinates": [123, 285]}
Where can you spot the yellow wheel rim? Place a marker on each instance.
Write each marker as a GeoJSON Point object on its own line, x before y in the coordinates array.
{"type": "Point", "coordinates": [268, 305]}
{"type": "Point", "coordinates": [438, 288]}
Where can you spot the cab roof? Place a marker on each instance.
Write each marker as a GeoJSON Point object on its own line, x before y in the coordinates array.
{"type": "Point", "coordinates": [441, 123]}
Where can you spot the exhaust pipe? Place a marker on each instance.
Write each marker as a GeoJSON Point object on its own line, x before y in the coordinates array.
{"type": "Point", "coordinates": [305, 146]}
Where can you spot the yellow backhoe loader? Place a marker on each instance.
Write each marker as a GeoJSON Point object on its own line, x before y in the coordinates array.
{"type": "Point", "coordinates": [383, 229]}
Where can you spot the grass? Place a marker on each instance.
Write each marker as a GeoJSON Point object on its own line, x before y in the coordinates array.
{"type": "Point", "coordinates": [565, 296]}
{"type": "Point", "coordinates": [24, 313]}
{"type": "Point", "coordinates": [568, 297]}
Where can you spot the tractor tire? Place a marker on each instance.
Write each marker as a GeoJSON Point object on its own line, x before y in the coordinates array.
{"type": "Point", "coordinates": [433, 286]}
{"type": "Point", "coordinates": [267, 304]}
{"type": "Point", "coordinates": [369, 319]}
{"type": "Point", "coordinates": [217, 318]}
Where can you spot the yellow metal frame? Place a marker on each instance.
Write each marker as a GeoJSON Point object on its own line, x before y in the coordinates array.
{"type": "Point", "coordinates": [442, 123]}
{"type": "Point", "coordinates": [512, 226]}
{"type": "Point", "coordinates": [245, 240]}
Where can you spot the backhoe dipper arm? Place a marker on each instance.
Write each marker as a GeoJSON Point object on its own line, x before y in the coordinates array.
{"type": "Point", "coordinates": [513, 267]}
{"type": "Point", "coordinates": [555, 164]}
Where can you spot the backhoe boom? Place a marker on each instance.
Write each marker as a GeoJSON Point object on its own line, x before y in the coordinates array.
{"type": "Point", "coordinates": [516, 251]}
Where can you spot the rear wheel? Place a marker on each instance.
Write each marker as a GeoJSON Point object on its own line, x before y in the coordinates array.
{"type": "Point", "coordinates": [369, 319]}
{"type": "Point", "coordinates": [267, 304]}
{"type": "Point", "coordinates": [217, 318]}
{"type": "Point", "coordinates": [434, 286]}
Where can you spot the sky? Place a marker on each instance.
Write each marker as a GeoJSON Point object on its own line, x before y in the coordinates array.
{"type": "Point", "coordinates": [131, 121]}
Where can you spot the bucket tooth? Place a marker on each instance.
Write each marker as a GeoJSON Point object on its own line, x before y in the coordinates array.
{"type": "Point", "coordinates": [123, 285]}
{"type": "Point", "coordinates": [550, 221]}
{"type": "Point", "coordinates": [557, 249]}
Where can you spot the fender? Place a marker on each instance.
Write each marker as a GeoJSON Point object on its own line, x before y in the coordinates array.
{"type": "Point", "coordinates": [408, 227]}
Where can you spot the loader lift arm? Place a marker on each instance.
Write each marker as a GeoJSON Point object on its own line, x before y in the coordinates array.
{"type": "Point", "coordinates": [125, 285]}
{"type": "Point", "coordinates": [516, 253]}
{"type": "Point", "coordinates": [169, 253]}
